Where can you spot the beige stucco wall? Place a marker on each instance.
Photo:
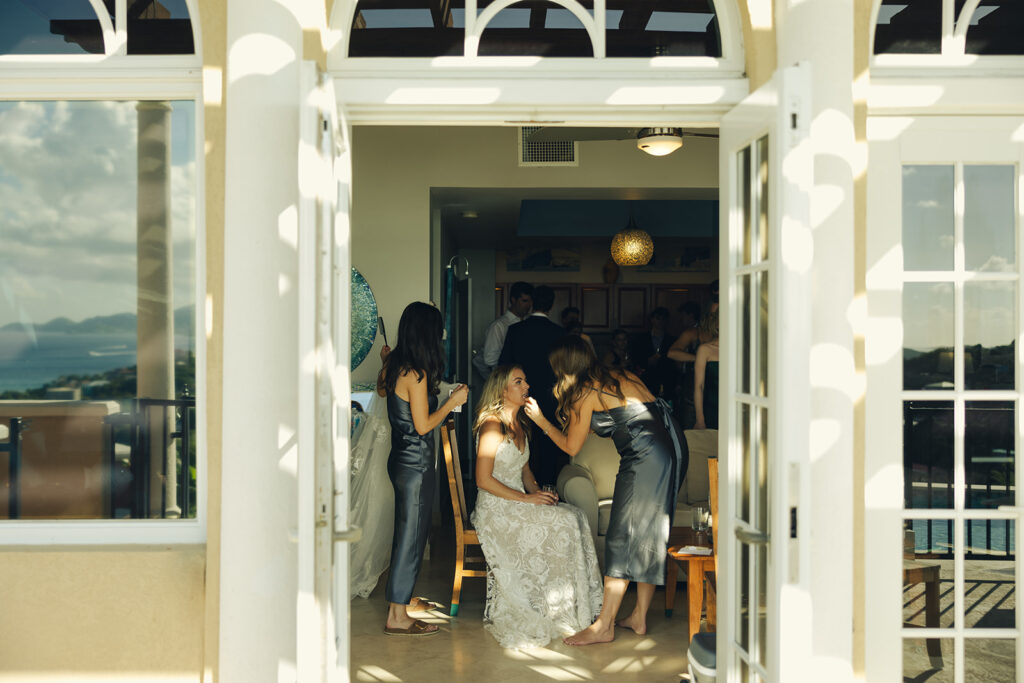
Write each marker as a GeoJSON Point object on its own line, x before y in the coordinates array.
{"type": "Point", "coordinates": [97, 614]}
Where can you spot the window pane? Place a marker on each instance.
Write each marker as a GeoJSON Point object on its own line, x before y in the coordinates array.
{"type": "Point", "coordinates": [996, 28]}
{"type": "Point", "coordinates": [909, 26]}
{"type": "Point", "coordinates": [541, 29]}
{"type": "Point", "coordinates": [159, 28]}
{"type": "Point", "coordinates": [743, 500]}
{"type": "Point", "coordinates": [990, 659]}
{"type": "Point", "coordinates": [665, 29]}
{"type": "Point", "coordinates": [989, 218]}
{"type": "Point", "coordinates": [989, 454]}
{"type": "Point", "coordinates": [762, 198]}
{"type": "Point", "coordinates": [50, 27]}
{"type": "Point", "coordinates": [407, 28]}
{"type": "Point", "coordinates": [928, 660]}
{"type": "Point", "coordinates": [762, 335]}
{"type": "Point", "coordinates": [928, 568]}
{"type": "Point", "coordinates": [928, 335]}
{"type": "Point", "coordinates": [928, 217]}
{"type": "Point", "coordinates": [928, 454]}
{"type": "Point", "coordinates": [745, 323]}
{"type": "Point", "coordinates": [990, 327]}
{"type": "Point", "coordinates": [107, 191]}
{"type": "Point", "coordinates": [744, 185]}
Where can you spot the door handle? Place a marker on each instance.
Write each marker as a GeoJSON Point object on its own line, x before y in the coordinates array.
{"type": "Point", "coordinates": [752, 537]}
{"type": "Point", "coordinates": [350, 535]}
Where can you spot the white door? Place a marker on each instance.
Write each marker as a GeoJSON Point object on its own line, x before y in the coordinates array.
{"type": "Point", "coordinates": [324, 397]}
{"type": "Point", "coordinates": [765, 172]}
{"type": "Point", "coordinates": [943, 409]}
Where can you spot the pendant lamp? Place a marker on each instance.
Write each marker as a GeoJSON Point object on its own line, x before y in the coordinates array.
{"type": "Point", "coordinates": [632, 246]}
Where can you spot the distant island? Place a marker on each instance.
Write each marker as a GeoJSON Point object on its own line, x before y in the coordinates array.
{"type": "Point", "coordinates": [106, 324]}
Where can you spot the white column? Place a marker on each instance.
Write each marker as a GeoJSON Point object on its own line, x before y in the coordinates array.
{"type": "Point", "coordinates": [820, 32]}
{"type": "Point", "coordinates": [258, 501]}
{"type": "Point", "coordinates": [155, 308]}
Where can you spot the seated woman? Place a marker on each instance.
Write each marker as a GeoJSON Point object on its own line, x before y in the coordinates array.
{"type": "Point", "coordinates": [543, 579]}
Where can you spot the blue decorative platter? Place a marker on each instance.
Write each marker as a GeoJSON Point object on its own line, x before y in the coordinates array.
{"type": "Point", "coordinates": [364, 318]}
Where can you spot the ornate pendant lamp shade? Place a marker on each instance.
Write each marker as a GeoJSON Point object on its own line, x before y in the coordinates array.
{"type": "Point", "coordinates": [632, 246]}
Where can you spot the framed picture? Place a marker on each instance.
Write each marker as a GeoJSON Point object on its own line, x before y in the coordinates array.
{"type": "Point", "coordinates": [691, 258]}
{"type": "Point", "coordinates": [545, 259]}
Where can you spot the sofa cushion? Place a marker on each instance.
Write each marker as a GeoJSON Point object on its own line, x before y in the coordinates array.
{"type": "Point", "coordinates": [702, 444]}
{"type": "Point", "coordinates": [599, 457]}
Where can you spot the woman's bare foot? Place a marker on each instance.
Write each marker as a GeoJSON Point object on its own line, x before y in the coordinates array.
{"type": "Point", "coordinates": [634, 623]}
{"type": "Point", "coordinates": [590, 635]}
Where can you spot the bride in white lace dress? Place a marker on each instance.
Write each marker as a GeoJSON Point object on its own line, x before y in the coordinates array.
{"type": "Point", "coordinates": [543, 579]}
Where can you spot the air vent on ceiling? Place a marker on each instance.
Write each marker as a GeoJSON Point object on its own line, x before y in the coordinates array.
{"type": "Point", "coordinates": [559, 153]}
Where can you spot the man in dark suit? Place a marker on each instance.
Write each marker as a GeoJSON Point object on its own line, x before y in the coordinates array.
{"type": "Point", "coordinates": [650, 353]}
{"type": "Point", "coordinates": [527, 344]}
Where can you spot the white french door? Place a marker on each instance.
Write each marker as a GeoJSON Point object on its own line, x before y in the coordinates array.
{"type": "Point", "coordinates": [765, 170]}
{"type": "Point", "coordinates": [322, 632]}
{"type": "Point", "coordinates": [943, 410]}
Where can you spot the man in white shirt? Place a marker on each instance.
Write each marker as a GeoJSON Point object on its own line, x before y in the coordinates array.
{"type": "Point", "coordinates": [520, 301]}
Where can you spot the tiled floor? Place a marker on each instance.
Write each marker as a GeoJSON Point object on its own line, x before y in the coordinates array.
{"type": "Point", "coordinates": [464, 651]}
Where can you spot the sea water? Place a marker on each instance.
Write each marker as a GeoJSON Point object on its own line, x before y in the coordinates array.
{"type": "Point", "coordinates": [27, 363]}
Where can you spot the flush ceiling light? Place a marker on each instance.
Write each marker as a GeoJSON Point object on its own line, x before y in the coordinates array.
{"type": "Point", "coordinates": [659, 141]}
{"type": "Point", "coordinates": [632, 246]}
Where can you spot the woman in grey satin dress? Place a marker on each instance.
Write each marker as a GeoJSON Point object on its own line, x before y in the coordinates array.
{"type": "Point", "coordinates": [410, 379]}
{"type": "Point", "coordinates": [653, 459]}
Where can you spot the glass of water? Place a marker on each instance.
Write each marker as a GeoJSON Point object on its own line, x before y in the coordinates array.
{"type": "Point", "coordinates": [701, 521]}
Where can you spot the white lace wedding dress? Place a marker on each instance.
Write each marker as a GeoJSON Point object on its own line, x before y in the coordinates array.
{"type": "Point", "coordinates": [544, 580]}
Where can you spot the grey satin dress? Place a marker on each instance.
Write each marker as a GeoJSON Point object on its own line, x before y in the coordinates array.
{"type": "Point", "coordinates": [411, 468]}
{"type": "Point", "coordinates": [653, 459]}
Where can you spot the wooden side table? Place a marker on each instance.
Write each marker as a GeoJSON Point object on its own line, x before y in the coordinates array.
{"type": "Point", "coordinates": [928, 574]}
{"type": "Point", "coordinates": [696, 565]}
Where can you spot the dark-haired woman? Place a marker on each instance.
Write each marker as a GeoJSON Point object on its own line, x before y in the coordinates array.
{"type": "Point", "coordinates": [409, 379]}
{"type": "Point", "coordinates": [653, 457]}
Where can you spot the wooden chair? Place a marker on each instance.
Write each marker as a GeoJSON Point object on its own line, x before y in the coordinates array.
{"type": "Point", "coordinates": [711, 577]}
{"type": "Point", "coordinates": [466, 539]}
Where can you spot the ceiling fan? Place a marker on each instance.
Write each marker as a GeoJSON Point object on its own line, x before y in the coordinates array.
{"type": "Point", "coordinates": [654, 141]}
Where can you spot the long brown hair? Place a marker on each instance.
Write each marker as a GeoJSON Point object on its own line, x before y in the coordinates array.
{"type": "Point", "coordinates": [492, 401]}
{"type": "Point", "coordinates": [576, 369]}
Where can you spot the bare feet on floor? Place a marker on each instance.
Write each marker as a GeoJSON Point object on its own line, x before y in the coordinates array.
{"type": "Point", "coordinates": [590, 635]}
{"type": "Point", "coordinates": [634, 623]}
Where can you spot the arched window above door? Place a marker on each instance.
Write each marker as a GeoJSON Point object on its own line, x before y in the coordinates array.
{"type": "Point", "coordinates": [978, 27]}
{"type": "Point", "coordinates": [70, 27]}
{"type": "Point", "coordinates": [541, 28]}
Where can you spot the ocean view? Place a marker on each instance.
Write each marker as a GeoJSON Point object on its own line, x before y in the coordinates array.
{"type": "Point", "coordinates": [27, 365]}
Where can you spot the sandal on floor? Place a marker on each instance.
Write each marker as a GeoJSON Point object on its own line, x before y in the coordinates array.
{"type": "Point", "coordinates": [418, 628]}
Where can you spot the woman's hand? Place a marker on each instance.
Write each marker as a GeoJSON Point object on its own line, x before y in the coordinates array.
{"type": "Point", "coordinates": [385, 351]}
{"type": "Point", "coordinates": [541, 498]}
{"type": "Point", "coordinates": [533, 410]}
{"type": "Point", "coordinates": [460, 394]}
{"type": "Point", "coordinates": [699, 424]}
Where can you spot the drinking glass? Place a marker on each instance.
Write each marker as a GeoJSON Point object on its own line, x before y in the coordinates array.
{"type": "Point", "coordinates": [701, 518]}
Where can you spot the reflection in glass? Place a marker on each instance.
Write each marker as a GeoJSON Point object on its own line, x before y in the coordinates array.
{"type": "Point", "coordinates": [743, 596]}
{"type": "Point", "coordinates": [159, 27]}
{"type": "Point", "coordinates": [99, 353]}
{"type": "Point", "coordinates": [762, 198]}
{"type": "Point", "coordinates": [990, 600]}
{"type": "Point", "coordinates": [920, 665]}
{"type": "Point", "coordinates": [928, 574]}
{"type": "Point", "coordinates": [748, 456]}
{"type": "Point", "coordinates": [760, 622]}
{"type": "Point", "coordinates": [989, 218]}
{"type": "Point", "coordinates": [539, 29]}
{"type": "Point", "coordinates": [761, 521]}
{"type": "Point", "coordinates": [49, 27]}
{"type": "Point", "coordinates": [989, 455]}
{"type": "Point", "coordinates": [927, 217]}
{"type": "Point", "coordinates": [909, 27]}
{"type": "Point", "coordinates": [990, 328]}
{"type": "Point", "coordinates": [762, 335]}
{"type": "Point", "coordinates": [407, 28]}
{"type": "Point", "coordinates": [927, 457]}
{"type": "Point", "coordinates": [665, 29]}
{"type": "Point", "coordinates": [744, 185]}
{"type": "Point", "coordinates": [746, 325]}
{"type": "Point", "coordinates": [927, 335]}
{"type": "Point", "coordinates": [996, 28]}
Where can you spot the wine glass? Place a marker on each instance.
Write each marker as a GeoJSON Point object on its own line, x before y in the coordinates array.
{"type": "Point", "coordinates": [701, 518]}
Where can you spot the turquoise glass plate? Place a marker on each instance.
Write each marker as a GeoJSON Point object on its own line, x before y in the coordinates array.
{"type": "Point", "coordinates": [364, 318]}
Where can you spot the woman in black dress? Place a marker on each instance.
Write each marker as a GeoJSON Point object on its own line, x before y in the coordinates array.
{"type": "Point", "coordinates": [410, 379]}
{"type": "Point", "coordinates": [617, 404]}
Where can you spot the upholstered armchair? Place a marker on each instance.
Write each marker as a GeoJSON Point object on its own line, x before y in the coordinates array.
{"type": "Point", "coordinates": [588, 482]}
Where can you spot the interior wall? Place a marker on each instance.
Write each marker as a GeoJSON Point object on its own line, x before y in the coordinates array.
{"type": "Point", "coordinates": [394, 168]}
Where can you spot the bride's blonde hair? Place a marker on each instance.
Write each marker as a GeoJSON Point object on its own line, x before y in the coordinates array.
{"type": "Point", "coordinates": [492, 402]}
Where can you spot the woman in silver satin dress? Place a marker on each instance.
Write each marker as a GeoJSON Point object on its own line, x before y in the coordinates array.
{"type": "Point", "coordinates": [409, 379]}
{"type": "Point", "coordinates": [653, 459]}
